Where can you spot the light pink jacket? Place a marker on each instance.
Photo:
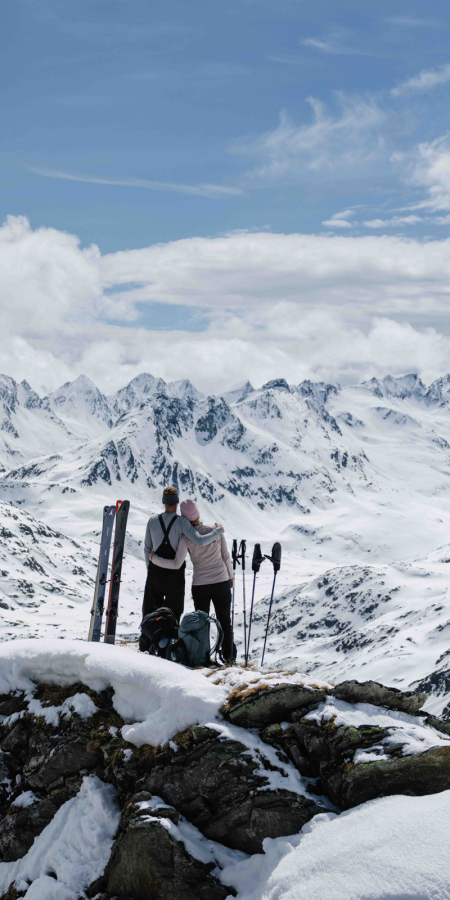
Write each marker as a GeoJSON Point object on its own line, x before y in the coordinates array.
{"type": "Point", "coordinates": [212, 564]}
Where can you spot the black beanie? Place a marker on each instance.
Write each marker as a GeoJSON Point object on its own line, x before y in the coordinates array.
{"type": "Point", "coordinates": [170, 498]}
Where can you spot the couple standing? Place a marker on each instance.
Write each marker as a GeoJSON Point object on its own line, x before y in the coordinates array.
{"type": "Point", "coordinates": [168, 539]}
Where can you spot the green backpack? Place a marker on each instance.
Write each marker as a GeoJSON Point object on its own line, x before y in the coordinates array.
{"type": "Point", "coordinates": [194, 631]}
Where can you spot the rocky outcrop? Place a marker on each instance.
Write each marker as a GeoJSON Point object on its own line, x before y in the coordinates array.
{"type": "Point", "coordinates": [148, 861]}
{"type": "Point", "coordinates": [216, 784]}
{"type": "Point", "coordinates": [254, 708]}
{"type": "Point", "coordinates": [424, 773]}
{"type": "Point", "coordinates": [264, 704]}
{"type": "Point", "coordinates": [233, 787]}
{"type": "Point", "coordinates": [379, 695]}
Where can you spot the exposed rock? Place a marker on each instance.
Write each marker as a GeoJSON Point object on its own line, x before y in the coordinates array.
{"type": "Point", "coordinates": [265, 705]}
{"type": "Point", "coordinates": [11, 703]}
{"type": "Point", "coordinates": [148, 863]}
{"type": "Point", "coordinates": [424, 773]}
{"type": "Point", "coordinates": [20, 827]}
{"type": "Point", "coordinates": [379, 695]}
{"type": "Point", "coordinates": [214, 782]}
{"type": "Point", "coordinates": [69, 758]}
{"type": "Point", "coordinates": [12, 893]}
{"type": "Point", "coordinates": [16, 743]}
{"type": "Point", "coordinates": [309, 745]}
{"type": "Point", "coordinates": [440, 724]}
{"type": "Point", "coordinates": [48, 760]}
{"type": "Point", "coordinates": [326, 752]}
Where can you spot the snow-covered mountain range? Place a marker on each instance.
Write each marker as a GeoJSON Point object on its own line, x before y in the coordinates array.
{"type": "Point", "coordinates": [353, 480]}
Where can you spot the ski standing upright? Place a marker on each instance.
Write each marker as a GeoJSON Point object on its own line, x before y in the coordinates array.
{"type": "Point", "coordinates": [122, 508]}
{"type": "Point", "coordinates": [109, 515]}
{"type": "Point", "coordinates": [242, 549]}
{"type": "Point", "coordinates": [234, 557]}
{"type": "Point", "coordinates": [275, 559]}
{"type": "Point", "coordinates": [258, 558]}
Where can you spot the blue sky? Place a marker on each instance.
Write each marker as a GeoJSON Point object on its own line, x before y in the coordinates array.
{"type": "Point", "coordinates": [184, 140]}
{"type": "Point", "coordinates": [180, 93]}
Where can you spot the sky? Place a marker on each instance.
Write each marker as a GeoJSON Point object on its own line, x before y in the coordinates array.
{"type": "Point", "coordinates": [244, 190]}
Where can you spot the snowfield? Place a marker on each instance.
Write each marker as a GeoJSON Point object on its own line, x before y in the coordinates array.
{"type": "Point", "coordinates": [395, 847]}
{"type": "Point", "coordinates": [156, 697]}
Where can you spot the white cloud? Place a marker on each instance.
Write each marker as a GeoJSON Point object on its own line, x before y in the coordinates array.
{"type": "Point", "coordinates": [321, 344]}
{"type": "Point", "coordinates": [348, 137]}
{"type": "Point", "coordinates": [338, 42]}
{"type": "Point", "coordinates": [340, 219]}
{"type": "Point", "coordinates": [326, 46]}
{"type": "Point", "coordinates": [45, 278]}
{"type": "Point", "coordinates": [428, 166]}
{"type": "Point", "coordinates": [376, 272]}
{"type": "Point", "coordinates": [426, 80]}
{"type": "Point", "coordinates": [296, 305]}
{"type": "Point", "coordinates": [413, 22]}
{"type": "Point", "coordinates": [393, 222]}
{"type": "Point", "coordinates": [212, 191]}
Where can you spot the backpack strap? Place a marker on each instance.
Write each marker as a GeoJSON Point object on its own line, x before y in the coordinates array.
{"type": "Point", "coordinates": [219, 640]}
{"type": "Point", "coordinates": [165, 530]}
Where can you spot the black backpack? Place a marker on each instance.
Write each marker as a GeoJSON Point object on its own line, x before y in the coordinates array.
{"type": "Point", "coordinates": [159, 635]}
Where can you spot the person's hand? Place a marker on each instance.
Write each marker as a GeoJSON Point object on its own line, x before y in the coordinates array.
{"type": "Point", "coordinates": [152, 553]}
{"type": "Point", "coordinates": [218, 525]}
{"type": "Point", "coordinates": [231, 582]}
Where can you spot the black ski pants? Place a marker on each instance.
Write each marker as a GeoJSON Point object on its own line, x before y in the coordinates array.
{"type": "Point", "coordinates": [164, 587]}
{"type": "Point", "coordinates": [220, 594]}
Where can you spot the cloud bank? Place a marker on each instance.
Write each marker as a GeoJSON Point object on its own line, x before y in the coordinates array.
{"type": "Point", "coordinates": [337, 308]}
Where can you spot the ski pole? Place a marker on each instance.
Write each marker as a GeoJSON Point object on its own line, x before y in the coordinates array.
{"type": "Point", "coordinates": [242, 549]}
{"type": "Point", "coordinates": [258, 558]}
{"type": "Point", "coordinates": [234, 556]}
{"type": "Point", "coordinates": [275, 559]}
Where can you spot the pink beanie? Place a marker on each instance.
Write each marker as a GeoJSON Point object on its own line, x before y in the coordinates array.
{"type": "Point", "coordinates": [189, 509]}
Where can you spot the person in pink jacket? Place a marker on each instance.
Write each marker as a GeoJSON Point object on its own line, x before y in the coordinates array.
{"type": "Point", "coordinates": [213, 573]}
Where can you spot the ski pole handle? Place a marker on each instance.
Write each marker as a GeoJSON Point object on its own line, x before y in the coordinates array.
{"type": "Point", "coordinates": [242, 550]}
{"type": "Point", "coordinates": [234, 554]}
{"type": "Point", "coordinates": [275, 559]}
{"type": "Point", "coordinates": [258, 558]}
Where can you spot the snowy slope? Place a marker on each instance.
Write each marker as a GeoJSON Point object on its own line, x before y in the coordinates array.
{"type": "Point", "coordinates": [47, 580]}
{"type": "Point", "coordinates": [388, 623]}
{"type": "Point", "coordinates": [353, 480]}
{"type": "Point", "coordinates": [389, 849]}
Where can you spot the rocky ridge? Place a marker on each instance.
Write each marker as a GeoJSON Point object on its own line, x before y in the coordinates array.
{"type": "Point", "coordinates": [283, 752]}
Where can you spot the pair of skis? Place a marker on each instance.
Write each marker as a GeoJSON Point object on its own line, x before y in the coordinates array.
{"type": "Point", "coordinates": [238, 557]}
{"type": "Point", "coordinates": [117, 515]}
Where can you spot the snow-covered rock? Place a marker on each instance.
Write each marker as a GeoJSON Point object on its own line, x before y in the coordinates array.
{"type": "Point", "coordinates": [91, 804]}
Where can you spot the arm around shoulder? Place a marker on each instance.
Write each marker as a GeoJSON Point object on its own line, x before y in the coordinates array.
{"type": "Point", "coordinates": [176, 563]}
{"type": "Point", "coordinates": [202, 540]}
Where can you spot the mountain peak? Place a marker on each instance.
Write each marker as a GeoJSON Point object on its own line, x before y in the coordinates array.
{"type": "Point", "coordinates": [239, 392]}
{"type": "Point", "coordinates": [80, 384]}
{"type": "Point", "coordinates": [276, 384]}
{"type": "Point", "coordinates": [183, 388]}
{"type": "Point", "coordinates": [80, 399]}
